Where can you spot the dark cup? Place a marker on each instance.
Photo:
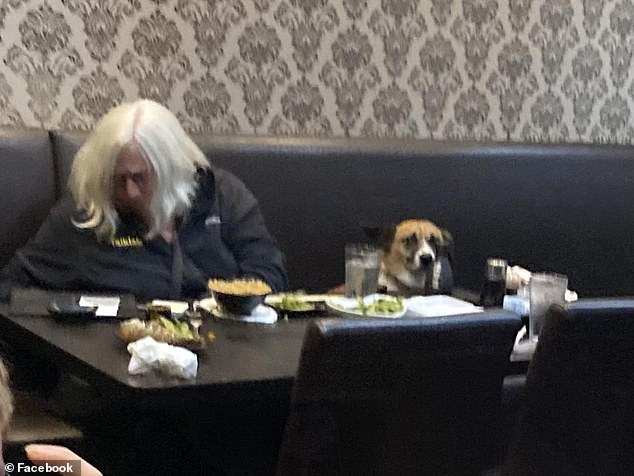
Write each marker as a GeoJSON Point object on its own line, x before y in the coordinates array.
{"type": "Point", "coordinates": [494, 286]}
{"type": "Point", "coordinates": [492, 293]}
{"type": "Point", "coordinates": [154, 311]}
{"type": "Point", "coordinates": [239, 305]}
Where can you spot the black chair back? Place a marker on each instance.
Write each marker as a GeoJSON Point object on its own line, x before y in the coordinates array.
{"type": "Point", "coordinates": [403, 397]}
{"type": "Point", "coordinates": [578, 412]}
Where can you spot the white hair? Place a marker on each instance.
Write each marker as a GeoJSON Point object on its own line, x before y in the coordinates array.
{"type": "Point", "coordinates": [171, 153]}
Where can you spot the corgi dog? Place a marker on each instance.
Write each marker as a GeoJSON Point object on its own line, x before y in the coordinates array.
{"type": "Point", "coordinates": [417, 259]}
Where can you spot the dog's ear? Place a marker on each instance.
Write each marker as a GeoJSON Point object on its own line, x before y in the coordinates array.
{"type": "Point", "coordinates": [387, 236]}
{"type": "Point", "coordinates": [447, 243]}
{"type": "Point", "coordinates": [380, 236]}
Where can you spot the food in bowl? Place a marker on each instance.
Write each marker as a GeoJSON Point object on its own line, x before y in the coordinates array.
{"type": "Point", "coordinates": [239, 296]}
{"type": "Point", "coordinates": [240, 287]}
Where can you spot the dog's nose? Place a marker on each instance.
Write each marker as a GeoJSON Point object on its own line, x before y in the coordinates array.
{"type": "Point", "coordinates": [425, 260]}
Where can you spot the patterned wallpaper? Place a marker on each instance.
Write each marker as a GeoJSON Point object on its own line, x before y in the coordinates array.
{"type": "Point", "coordinates": [528, 70]}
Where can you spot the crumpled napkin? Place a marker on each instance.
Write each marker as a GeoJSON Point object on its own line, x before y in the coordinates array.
{"type": "Point", "coordinates": [262, 314]}
{"type": "Point", "coordinates": [518, 277]}
{"type": "Point", "coordinates": [148, 354]}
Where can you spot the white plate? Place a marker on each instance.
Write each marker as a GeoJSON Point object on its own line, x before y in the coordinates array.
{"type": "Point", "coordinates": [260, 315]}
{"type": "Point", "coordinates": [350, 306]}
{"type": "Point", "coordinates": [273, 299]}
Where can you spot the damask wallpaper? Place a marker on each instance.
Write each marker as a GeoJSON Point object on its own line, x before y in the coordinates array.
{"type": "Point", "coordinates": [527, 70]}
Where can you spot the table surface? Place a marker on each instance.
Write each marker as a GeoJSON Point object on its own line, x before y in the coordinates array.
{"type": "Point", "coordinates": [240, 354]}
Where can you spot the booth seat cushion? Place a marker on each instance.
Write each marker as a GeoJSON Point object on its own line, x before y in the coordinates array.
{"type": "Point", "coordinates": [27, 186]}
{"type": "Point", "coordinates": [564, 208]}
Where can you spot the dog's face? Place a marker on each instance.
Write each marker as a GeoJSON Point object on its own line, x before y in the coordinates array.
{"type": "Point", "coordinates": [411, 249]}
{"type": "Point", "coordinates": [415, 244]}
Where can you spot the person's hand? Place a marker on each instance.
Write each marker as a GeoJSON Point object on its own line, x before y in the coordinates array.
{"type": "Point", "coordinates": [54, 454]}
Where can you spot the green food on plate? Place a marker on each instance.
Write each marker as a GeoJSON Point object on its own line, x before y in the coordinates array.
{"type": "Point", "coordinates": [178, 329]}
{"type": "Point", "coordinates": [293, 302]}
{"type": "Point", "coordinates": [382, 306]}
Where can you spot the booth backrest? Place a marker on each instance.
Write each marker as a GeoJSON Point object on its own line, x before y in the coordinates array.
{"type": "Point", "coordinates": [577, 416]}
{"type": "Point", "coordinates": [398, 396]}
{"type": "Point", "coordinates": [565, 208]}
{"type": "Point", "coordinates": [27, 185]}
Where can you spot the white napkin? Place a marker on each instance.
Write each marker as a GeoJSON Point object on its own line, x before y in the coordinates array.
{"type": "Point", "coordinates": [260, 315]}
{"type": "Point", "coordinates": [106, 306]}
{"type": "Point", "coordinates": [523, 349]}
{"type": "Point", "coordinates": [148, 354]}
{"type": "Point", "coordinates": [440, 305]}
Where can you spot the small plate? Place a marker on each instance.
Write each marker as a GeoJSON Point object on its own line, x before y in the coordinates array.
{"type": "Point", "coordinates": [273, 299]}
{"type": "Point", "coordinates": [350, 306]}
{"type": "Point", "coordinates": [316, 301]}
{"type": "Point", "coordinates": [261, 314]}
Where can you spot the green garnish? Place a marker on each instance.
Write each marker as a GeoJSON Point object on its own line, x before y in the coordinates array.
{"type": "Point", "coordinates": [290, 302]}
{"type": "Point", "coordinates": [381, 306]}
{"type": "Point", "coordinates": [180, 330]}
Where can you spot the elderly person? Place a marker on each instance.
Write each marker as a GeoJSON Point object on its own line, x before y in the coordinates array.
{"type": "Point", "coordinates": [148, 216]}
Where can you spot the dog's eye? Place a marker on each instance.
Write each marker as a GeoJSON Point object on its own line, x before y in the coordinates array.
{"type": "Point", "coordinates": [411, 240]}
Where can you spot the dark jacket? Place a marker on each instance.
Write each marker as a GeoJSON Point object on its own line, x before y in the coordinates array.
{"type": "Point", "coordinates": [223, 236]}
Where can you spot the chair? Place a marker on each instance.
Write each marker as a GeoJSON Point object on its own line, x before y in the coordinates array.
{"type": "Point", "coordinates": [578, 411]}
{"type": "Point", "coordinates": [403, 397]}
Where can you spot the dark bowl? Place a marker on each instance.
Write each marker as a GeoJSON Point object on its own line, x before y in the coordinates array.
{"type": "Point", "coordinates": [239, 305]}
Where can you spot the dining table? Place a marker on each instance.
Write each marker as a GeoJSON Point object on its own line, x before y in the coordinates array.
{"type": "Point", "coordinates": [240, 356]}
{"type": "Point", "coordinates": [243, 386]}
{"type": "Point", "coordinates": [244, 373]}
{"type": "Point", "coordinates": [258, 357]}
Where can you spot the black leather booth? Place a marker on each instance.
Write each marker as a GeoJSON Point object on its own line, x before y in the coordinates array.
{"type": "Point", "coordinates": [403, 397]}
{"type": "Point", "coordinates": [27, 186]}
{"type": "Point", "coordinates": [565, 208]}
{"type": "Point", "coordinates": [577, 416]}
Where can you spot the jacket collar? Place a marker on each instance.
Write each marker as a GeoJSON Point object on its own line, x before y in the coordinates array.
{"type": "Point", "coordinates": [205, 193]}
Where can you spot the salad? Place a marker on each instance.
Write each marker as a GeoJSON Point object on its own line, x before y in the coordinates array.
{"type": "Point", "coordinates": [294, 302]}
{"type": "Point", "coordinates": [384, 305]}
{"type": "Point", "coordinates": [374, 305]}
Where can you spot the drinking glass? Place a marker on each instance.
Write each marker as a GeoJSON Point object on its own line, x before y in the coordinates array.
{"type": "Point", "coordinates": [545, 290]}
{"type": "Point", "coordinates": [494, 287]}
{"type": "Point", "coordinates": [363, 263]}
